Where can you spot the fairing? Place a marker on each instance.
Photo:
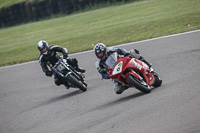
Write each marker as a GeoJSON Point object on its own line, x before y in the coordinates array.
{"type": "Point", "coordinates": [120, 67]}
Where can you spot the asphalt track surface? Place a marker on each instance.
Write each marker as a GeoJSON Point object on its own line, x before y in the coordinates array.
{"type": "Point", "coordinates": [30, 102]}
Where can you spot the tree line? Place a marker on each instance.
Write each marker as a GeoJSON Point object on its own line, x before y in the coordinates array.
{"type": "Point", "coordinates": [34, 10]}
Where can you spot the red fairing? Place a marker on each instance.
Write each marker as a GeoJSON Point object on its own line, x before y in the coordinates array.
{"type": "Point", "coordinates": [144, 69]}
{"type": "Point", "coordinates": [125, 66]}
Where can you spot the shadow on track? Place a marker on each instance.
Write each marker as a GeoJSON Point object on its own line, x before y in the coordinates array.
{"type": "Point", "coordinates": [116, 102]}
{"type": "Point", "coordinates": [56, 99]}
{"type": "Point", "coordinates": [121, 100]}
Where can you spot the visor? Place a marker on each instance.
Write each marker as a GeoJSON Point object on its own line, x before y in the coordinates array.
{"type": "Point", "coordinates": [44, 50]}
{"type": "Point", "coordinates": [100, 54]}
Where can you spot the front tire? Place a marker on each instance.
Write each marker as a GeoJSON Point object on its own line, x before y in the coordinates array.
{"type": "Point", "coordinates": [158, 80]}
{"type": "Point", "coordinates": [75, 82]}
{"type": "Point", "coordinates": [140, 85]}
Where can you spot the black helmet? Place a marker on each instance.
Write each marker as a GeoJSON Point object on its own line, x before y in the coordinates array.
{"type": "Point", "coordinates": [43, 47]}
{"type": "Point", "coordinates": [100, 50]}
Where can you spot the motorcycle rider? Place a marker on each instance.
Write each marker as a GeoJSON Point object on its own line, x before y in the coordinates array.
{"type": "Point", "coordinates": [102, 52]}
{"type": "Point", "coordinates": [48, 53]}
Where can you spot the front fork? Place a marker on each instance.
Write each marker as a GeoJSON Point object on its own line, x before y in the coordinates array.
{"type": "Point", "coordinates": [134, 74]}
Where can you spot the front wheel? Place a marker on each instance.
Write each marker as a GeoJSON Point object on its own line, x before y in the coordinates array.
{"type": "Point", "coordinates": [158, 80]}
{"type": "Point", "coordinates": [139, 84]}
{"type": "Point", "coordinates": [75, 82]}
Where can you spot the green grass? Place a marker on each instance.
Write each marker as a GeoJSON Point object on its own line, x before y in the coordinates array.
{"type": "Point", "coordinates": [112, 25]}
{"type": "Point", "coordinates": [4, 3]}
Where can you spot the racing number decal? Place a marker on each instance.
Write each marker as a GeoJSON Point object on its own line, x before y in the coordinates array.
{"type": "Point", "coordinates": [132, 63]}
{"type": "Point", "coordinates": [118, 68]}
{"type": "Point", "coordinates": [139, 67]}
{"type": "Point", "coordinates": [60, 65]}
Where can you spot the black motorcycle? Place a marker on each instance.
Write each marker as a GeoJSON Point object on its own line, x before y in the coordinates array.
{"type": "Point", "coordinates": [69, 75]}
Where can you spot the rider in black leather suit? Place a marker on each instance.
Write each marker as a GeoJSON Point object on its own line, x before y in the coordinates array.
{"type": "Point", "coordinates": [48, 53]}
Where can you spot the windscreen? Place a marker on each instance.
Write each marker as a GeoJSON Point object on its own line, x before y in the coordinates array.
{"type": "Point", "coordinates": [112, 60]}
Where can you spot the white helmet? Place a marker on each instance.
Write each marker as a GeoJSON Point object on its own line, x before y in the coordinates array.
{"type": "Point", "coordinates": [100, 50]}
{"type": "Point", "coordinates": [43, 47]}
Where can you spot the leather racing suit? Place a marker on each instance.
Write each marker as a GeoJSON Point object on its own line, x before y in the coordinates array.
{"type": "Point", "coordinates": [52, 57]}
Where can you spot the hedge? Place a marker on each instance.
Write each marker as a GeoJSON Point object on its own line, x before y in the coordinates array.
{"type": "Point", "coordinates": [32, 11]}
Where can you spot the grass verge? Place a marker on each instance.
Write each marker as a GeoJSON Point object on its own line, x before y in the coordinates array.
{"type": "Point", "coordinates": [111, 25]}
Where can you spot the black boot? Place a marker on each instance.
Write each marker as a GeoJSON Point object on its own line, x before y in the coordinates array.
{"type": "Point", "coordinates": [148, 64]}
{"type": "Point", "coordinates": [66, 86]}
{"type": "Point", "coordinates": [80, 69]}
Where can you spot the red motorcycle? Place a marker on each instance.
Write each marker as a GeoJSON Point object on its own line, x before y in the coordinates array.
{"type": "Point", "coordinates": [132, 72]}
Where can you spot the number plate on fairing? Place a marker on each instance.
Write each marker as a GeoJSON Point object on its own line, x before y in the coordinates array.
{"type": "Point", "coordinates": [60, 67]}
{"type": "Point", "coordinates": [118, 68]}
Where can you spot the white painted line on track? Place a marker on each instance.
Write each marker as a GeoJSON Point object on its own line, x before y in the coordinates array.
{"type": "Point", "coordinates": [132, 43]}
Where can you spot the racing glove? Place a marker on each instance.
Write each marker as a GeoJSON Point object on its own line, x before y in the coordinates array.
{"type": "Point", "coordinates": [122, 52]}
{"type": "Point", "coordinates": [49, 73]}
{"type": "Point", "coordinates": [103, 71]}
{"type": "Point", "coordinates": [119, 51]}
{"type": "Point", "coordinates": [65, 56]}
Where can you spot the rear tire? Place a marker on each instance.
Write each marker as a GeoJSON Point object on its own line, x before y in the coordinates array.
{"type": "Point", "coordinates": [142, 86]}
{"type": "Point", "coordinates": [75, 82]}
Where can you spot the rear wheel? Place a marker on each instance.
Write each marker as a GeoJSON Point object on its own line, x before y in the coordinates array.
{"type": "Point", "coordinates": [139, 84]}
{"type": "Point", "coordinates": [77, 83]}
